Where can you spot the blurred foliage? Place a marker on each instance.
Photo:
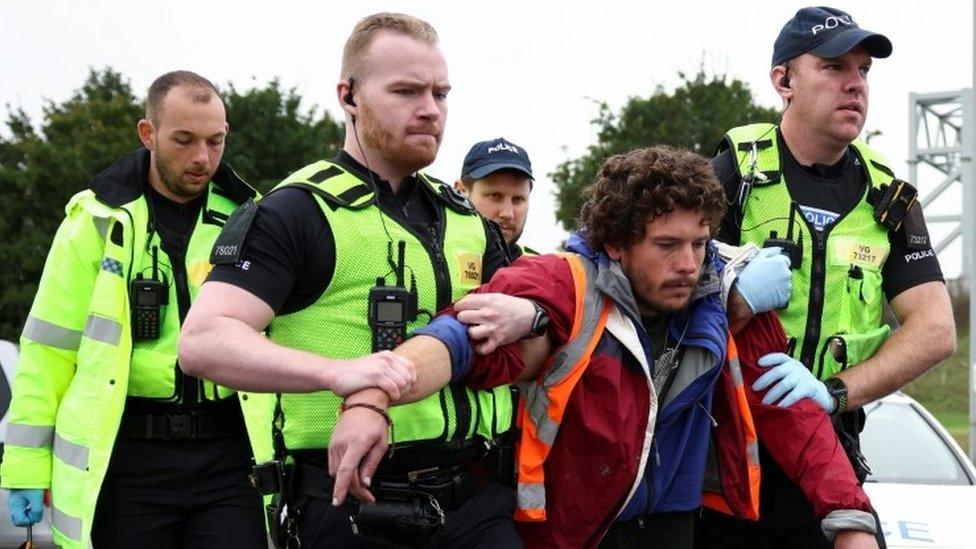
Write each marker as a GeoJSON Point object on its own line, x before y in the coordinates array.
{"type": "Point", "coordinates": [695, 116]}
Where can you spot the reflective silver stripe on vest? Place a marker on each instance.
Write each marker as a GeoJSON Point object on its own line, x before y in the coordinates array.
{"type": "Point", "coordinates": [536, 397]}
{"type": "Point", "coordinates": [752, 451]}
{"type": "Point", "coordinates": [103, 329]}
{"type": "Point", "coordinates": [66, 524]}
{"type": "Point", "coordinates": [73, 454]}
{"type": "Point", "coordinates": [736, 371]}
{"type": "Point", "coordinates": [30, 436]}
{"type": "Point", "coordinates": [52, 335]}
{"type": "Point", "coordinates": [531, 496]}
{"type": "Point", "coordinates": [101, 224]}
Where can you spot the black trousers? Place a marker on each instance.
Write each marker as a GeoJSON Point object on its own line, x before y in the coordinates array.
{"type": "Point", "coordinates": [658, 531]}
{"type": "Point", "coordinates": [179, 494]}
{"type": "Point", "coordinates": [482, 522]}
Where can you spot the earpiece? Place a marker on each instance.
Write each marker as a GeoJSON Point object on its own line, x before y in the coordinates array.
{"type": "Point", "coordinates": [784, 81]}
{"type": "Point", "coordinates": [348, 97]}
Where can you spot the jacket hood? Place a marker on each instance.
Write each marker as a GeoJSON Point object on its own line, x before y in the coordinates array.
{"type": "Point", "coordinates": [126, 179]}
{"type": "Point", "coordinates": [612, 281]}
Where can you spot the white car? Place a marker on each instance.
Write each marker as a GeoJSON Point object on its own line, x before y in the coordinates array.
{"type": "Point", "coordinates": [10, 535]}
{"type": "Point", "coordinates": [923, 485]}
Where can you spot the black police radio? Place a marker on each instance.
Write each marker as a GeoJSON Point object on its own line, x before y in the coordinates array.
{"type": "Point", "coordinates": [391, 308]}
{"type": "Point", "coordinates": [791, 249]}
{"type": "Point", "coordinates": [147, 296]}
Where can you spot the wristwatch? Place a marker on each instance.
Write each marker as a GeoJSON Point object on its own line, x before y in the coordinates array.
{"type": "Point", "coordinates": [837, 389]}
{"type": "Point", "coordinates": [540, 322]}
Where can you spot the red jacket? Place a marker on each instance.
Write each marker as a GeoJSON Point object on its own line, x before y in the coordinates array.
{"type": "Point", "coordinates": [800, 438]}
{"type": "Point", "coordinates": [603, 429]}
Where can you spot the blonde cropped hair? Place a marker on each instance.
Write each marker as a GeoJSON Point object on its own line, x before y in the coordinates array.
{"type": "Point", "coordinates": [366, 30]}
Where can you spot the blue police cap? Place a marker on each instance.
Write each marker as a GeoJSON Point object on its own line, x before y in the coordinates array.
{"type": "Point", "coordinates": [825, 32]}
{"type": "Point", "coordinates": [487, 157]}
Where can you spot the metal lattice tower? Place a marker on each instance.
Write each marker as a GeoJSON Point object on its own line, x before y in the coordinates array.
{"type": "Point", "coordinates": [941, 141]}
{"type": "Point", "coordinates": [935, 125]}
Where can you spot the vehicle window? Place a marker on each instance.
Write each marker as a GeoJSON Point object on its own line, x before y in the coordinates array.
{"type": "Point", "coordinates": [902, 447]}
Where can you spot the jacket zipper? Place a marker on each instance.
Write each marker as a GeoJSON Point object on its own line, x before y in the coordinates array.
{"type": "Point", "coordinates": [431, 243]}
{"type": "Point", "coordinates": [815, 305]}
{"type": "Point", "coordinates": [191, 387]}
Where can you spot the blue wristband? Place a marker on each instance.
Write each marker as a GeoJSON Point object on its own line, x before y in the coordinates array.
{"type": "Point", "coordinates": [454, 336]}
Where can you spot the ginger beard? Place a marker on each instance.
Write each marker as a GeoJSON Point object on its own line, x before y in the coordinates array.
{"type": "Point", "coordinates": [413, 151]}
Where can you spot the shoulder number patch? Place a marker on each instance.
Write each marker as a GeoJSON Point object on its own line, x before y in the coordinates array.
{"type": "Point", "coordinates": [229, 246]}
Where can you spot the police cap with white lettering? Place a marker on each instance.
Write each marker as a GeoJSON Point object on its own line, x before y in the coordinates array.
{"type": "Point", "coordinates": [488, 157]}
{"type": "Point", "coordinates": [825, 32]}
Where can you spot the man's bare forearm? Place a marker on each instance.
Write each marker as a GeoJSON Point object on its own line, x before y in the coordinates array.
{"type": "Point", "coordinates": [433, 362]}
{"type": "Point", "coordinates": [229, 352]}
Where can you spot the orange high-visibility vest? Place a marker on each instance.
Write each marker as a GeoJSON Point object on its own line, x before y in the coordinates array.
{"type": "Point", "coordinates": [714, 496]}
{"type": "Point", "coordinates": [544, 400]}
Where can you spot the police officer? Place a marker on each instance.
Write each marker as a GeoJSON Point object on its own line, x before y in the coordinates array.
{"type": "Point", "coordinates": [854, 238]}
{"type": "Point", "coordinates": [135, 453]}
{"type": "Point", "coordinates": [344, 257]}
{"type": "Point", "coordinates": [497, 178]}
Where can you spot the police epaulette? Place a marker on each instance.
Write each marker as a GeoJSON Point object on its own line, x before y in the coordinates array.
{"type": "Point", "coordinates": [449, 196]}
{"type": "Point", "coordinates": [350, 197]}
{"type": "Point", "coordinates": [228, 249]}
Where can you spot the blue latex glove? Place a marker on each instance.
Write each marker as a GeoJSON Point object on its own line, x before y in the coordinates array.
{"type": "Point", "coordinates": [766, 281]}
{"type": "Point", "coordinates": [26, 506]}
{"type": "Point", "coordinates": [792, 379]}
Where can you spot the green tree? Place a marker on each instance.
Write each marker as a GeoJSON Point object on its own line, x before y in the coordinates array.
{"type": "Point", "coordinates": [41, 169]}
{"type": "Point", "coordinates": [695, 115]}
{"type": "Point", "coordinates": [271, 135]}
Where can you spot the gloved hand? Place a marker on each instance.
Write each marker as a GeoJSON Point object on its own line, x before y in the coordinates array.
{"type": "Point", "coordinates": [26, 506]}
{"type": "Point", "coordinates": [766, 281]}
{"type": "Point", "coordinates": [792, 379]}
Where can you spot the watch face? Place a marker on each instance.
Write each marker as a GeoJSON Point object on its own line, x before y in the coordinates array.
{"type": "Point", "coordinates": [836, 387]}
{"type": "Point", "coordinates": [541, 320]}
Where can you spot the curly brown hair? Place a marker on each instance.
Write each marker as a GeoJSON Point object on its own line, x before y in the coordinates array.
{"type": "Point", "coordinates": [634, 188]}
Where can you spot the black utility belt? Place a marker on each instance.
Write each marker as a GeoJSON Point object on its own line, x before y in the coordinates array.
{"type": "Point", "coordinates": [218, 420]}
{"type": "Point", "coordinates": [450, 486]}
{"type": "Point", "coordinates": [411, 457]}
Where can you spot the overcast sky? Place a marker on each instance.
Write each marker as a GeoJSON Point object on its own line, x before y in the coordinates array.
{"type": "Point", "coordinates": [529, 71]}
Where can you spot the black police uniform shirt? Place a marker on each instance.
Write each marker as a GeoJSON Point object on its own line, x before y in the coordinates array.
{"type": "Point", "coordinates": [289, 252]}
{"type": "Point", "coordinates": [174, 223]}
{"type": "Point", "coordinates": [825, 194]}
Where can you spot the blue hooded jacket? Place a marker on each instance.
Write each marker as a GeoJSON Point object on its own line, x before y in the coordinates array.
{"type": "Point", "coordinates": [676, 468]}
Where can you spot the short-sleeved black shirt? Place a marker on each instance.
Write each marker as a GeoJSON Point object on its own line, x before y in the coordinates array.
{"type": "Point", "coordinates": [825, 194]}
{"type": "Point", "coordinates": [289, 252]}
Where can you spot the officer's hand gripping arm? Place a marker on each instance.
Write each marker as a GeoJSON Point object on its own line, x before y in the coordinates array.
{"type": "Point", "coordinates": [495, 319]}
{"type": "Point", "coordinates": [788, 379]}
{"type": "Point", "coordinates": [765, 283]}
